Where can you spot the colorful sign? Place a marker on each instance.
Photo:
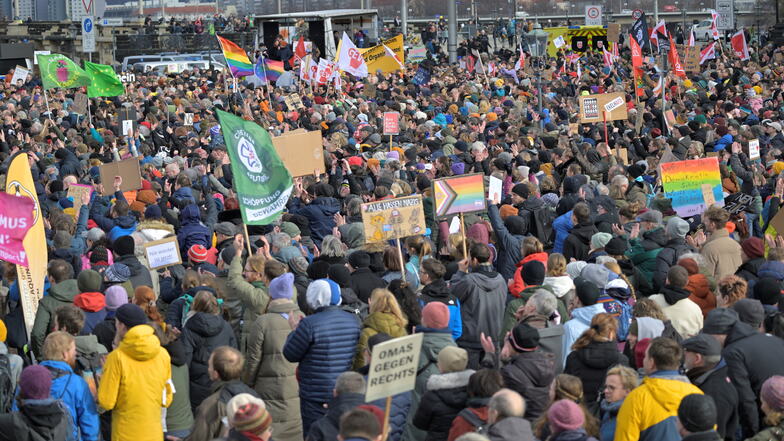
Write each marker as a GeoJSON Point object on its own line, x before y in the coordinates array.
{"type": "Point", "coordinates": [393, 218]}
{"type": "Point", "coordinates": [417, 54]}
{"type": "Point", "coordinates": [578, 39]}
{"type": "Point", "coordinates": [459, 194]}
{"type": "Point", "coordinates": [391, 123]}
{"type": "Point", "coordinates": [595, 108]}
{"type": "Point", "coordinates": [16, 219]}
{"type": "Point", "coordinates": [683, 183]}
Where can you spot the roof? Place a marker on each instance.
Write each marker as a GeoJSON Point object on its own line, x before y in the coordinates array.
{"type": "Point", "coordinates": [328, 13]}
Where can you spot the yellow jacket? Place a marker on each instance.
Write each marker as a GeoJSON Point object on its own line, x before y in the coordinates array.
{"type": "Point", "coordinates": [650, 411]}
{"type": "Point", "coordinates": [135, 380]}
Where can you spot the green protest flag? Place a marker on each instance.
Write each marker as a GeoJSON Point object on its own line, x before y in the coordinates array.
{"type": "Point", "coordinates": [105, 81]}
{"type": "Point", "coordinates": [59, 71]}
{"type": "Point", "coordinates": [262, 182]}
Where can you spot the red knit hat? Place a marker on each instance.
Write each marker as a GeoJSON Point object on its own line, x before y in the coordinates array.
{"type": "Point", "coordinates": [435, 315]}
{"type": "Point", "coordinates": [565, 415]}
{"type": "Point", "coordinates": [197, 253]}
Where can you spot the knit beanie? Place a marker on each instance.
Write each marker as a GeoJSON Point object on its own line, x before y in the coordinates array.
{"type": "Point", "coordinates": [773, 392]}
{"type": "Point", "coordinates": [452, 359]}
{"type": "Point", "coordinates": [252, 418]}
{"type": "Point", "coordinates": [323, 292]}
{"type": "Point", "coordinates": [435, 315]}
{"type": "Point", "coordinates": [240, 400]}
{"type": "Point", "coordinates": [697, 413]}
{"type": "Point", "coordinates": [690, 264]}
{"type": "Point", "coordinates": [282, 287]}
{"type": "Point", "coordinates": [616, 246]}
{"type": "Point", "coordinates": [753, 247]}
{"type": "Point", "coordinates": [117, 273]}
{"type": "Point", "coordinates": [565, 415]}
{"type": "Point", "coordinates": [599, 240]}
{"type": "Point", "coordinates": [124, 246]}
{"type": "Point", "coordinates": [35, 382]}
{"type": "Point", "coordinates": [533, 273]}
{"type": "Point", "coordinates": [131, 315]}
{"type": "Point", "coordinates": [115, 296]}
{"type": "Point", "coordinates": [197, 253]}
{"type": "Point", "coordinates": [153, 212]}
{"type": "Point", "coordinates": [677, 227]}
{"type": "Point", "coordinates": [340, 274]}
{"type": "Point", "coordinates": [524, 338]}
{"type": "Point", "coordinates": [507, 210]}
{"type": "Point", "coordinates": [89, 281]}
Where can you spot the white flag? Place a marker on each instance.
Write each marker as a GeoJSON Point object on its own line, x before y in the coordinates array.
{"type": "Point", "coordinates": [709, 53]}
{"type": "Point", "coordinates": [325, 71]}
{"type": "Point", "coordinates": [350, 59]}
{"type": "Point", "coordinates": [392, 54]}
{"type": "Point", "coordinates": [520, 61]}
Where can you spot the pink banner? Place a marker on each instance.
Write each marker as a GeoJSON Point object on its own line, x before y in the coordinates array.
{"type": "Point", "coordinates": [16, 218]}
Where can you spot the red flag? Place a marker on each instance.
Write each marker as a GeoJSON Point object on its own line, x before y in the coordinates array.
{"type": "Point", "coordinates": [608, 58]}
{"type": "Point", "coordinates": [739, 46]}
{"type": "Point", "coordinates": [714, 25]}
{"type": "Point", "coordinates": [299, 51]}
{"type": "Point", "coordinates": [692, 41]}
{"type": "Point", "coordinates": [637, 66]}
{"type": "Point", "coordinates": [520, 64]}
{"type": "Point", "coordinates": [709, 53]}
{"type": "Point", "coordinates": [675, 60]}
{"type": "Point", "coordinates": [660, 28]}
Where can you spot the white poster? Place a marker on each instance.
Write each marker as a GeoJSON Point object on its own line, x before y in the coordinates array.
{"type": "Point", "coordinates": [20, 73]}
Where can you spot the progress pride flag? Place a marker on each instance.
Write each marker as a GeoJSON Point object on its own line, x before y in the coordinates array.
{"type": "Point", "coordinates": [16, 218]}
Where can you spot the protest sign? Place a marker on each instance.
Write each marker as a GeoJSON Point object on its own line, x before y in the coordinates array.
{"type": "Point", "coordinates": [162, 253]}
{"type": "Point", "coordinates": [737, 202]}
{"type": "Point", "coordinates": [20, 73]}
{"type": "Point", "coordinates": [754, 149]}
{"type": "Point", "coordinates": [592, 107]}
{"type": "Point", "coordinates": [393, 218]}
{"type": "Point", "coordinates": [613, 32]}
{"type": "Point", "coordinates": [393, 367]}
{"type": "Point", "coordinates": [79, 103]}
{"type": "Point", "coordinates": [187, 119]}
{"type": "Point", "coordinates": [707, 195]}
{"type": "Point", "coordinates": [683, 183]}
{"type": "Point", "coordinates": [293, 101]}
{"type": "Point", "coordinates": [459, 194]}
{"type": "Point", "coordinates": [76, 191]}
{"type": "Point", "coordinates": [377, 58]}
{"type": "Point", "coordinates": [691, 59]}
{"type": "Point", "coordinates": [16, 219]}
{"type": "Point", "coordinates": [391, 123]}
{"type": "Point", "coordinates": [494, 189]}
{"type": "Point", "coordinates": [417, 54]}
{"type": "Point", "coordinates": [301, 152]}
{"type": "Point", "coordinates": [127, 127]}
{"type": "Point", "coordinates": [129, 171]}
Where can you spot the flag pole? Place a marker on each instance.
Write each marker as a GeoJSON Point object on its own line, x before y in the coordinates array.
{"type": "Point", "coordinates": [266, 80]}
{"type": "Point", "coordinates": [46, 100]}
{"type": "Point", "coordinates": [89, 113]}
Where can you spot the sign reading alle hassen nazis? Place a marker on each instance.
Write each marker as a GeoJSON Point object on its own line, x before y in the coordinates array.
{"type": "Point", "coordinates": [393, 218]}
{"type": "Point", "coordinates": [393, 367]}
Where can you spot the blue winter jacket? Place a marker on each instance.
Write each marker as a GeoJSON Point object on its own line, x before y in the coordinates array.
{"type": "Point", "coordinates": [562, 226]}
{"type": "Point", "coordinates": [74, 393]}
{"type": "Point", "coordinates": [323, 344]}
{"type": "Point", "coordinates": [723, 142]}
{"type": "Point", "coordinates": [320, 213]}
{"type": "Point", "coordinates": [192, 230]}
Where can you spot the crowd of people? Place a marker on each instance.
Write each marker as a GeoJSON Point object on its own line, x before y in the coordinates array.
{"type": "Point", "coordinates": [577, 306]}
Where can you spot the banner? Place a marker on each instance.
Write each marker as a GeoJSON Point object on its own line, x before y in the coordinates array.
{"type": "Point", "coordinates": [30, 278]}
{"type": "Point", "coordinates": [459, 194]}
{"type": "Point", "coordinates": [640, 34]}
{"type": "Point", "coordinates": [377, 59]}
{"type": "Point", "coordinates": [325, 70]}
{"type": "Point", "coordinates": [262, 183]}
{"type": "Point", "coordinates": [16, 219]}
{"type": "Point", "coordinates": [393, 218]}
{"type": "Point", "coordinates": [60, 71]}
{"type": "Point", "coordinates": [683, 183]}
{"type": "Point", "coordinates": [417, 54]}
{"type": "Point", "coordinates": [393, 367]}
{"type": "Point", "coordinates": [739, 46]}
{"type": "Point", "coordinates": [422, 76]}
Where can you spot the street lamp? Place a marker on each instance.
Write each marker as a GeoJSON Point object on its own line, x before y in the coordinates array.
{"type": "Point", "coordinates": [537, 44]}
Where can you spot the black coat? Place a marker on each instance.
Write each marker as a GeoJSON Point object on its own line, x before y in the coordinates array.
{"type": "Point", "coordinates": [530, 375]}
{"type": "Point", "coordinates": [578, 243]}
{"type": "Point", "coordinates": [364, 281]}
{"type": "Point", "coordinates": [752, 358]}
{"type": "Point", "coordinates": [105, 331]}
{"type": "Point", "coordinates": [327, 427]}
{"type": "Point", "coordinates": [667, 258]}
{"type": "Point", "coordinates": [34, 422]}
{"type": "Point", "coordinates": [203, 333]}
{"type": "Point", "coordinates": [716, 383]}
{"type": "Point", "coordinates": [591, 363]}
{"type": "Point", "coordinates": [446, 396]}
{"type": "Point", "coordinates": [748, 271]}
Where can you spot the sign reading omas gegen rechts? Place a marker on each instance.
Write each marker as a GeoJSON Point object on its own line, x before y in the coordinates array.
{"type": "Point", "coordinates": [393, 367]}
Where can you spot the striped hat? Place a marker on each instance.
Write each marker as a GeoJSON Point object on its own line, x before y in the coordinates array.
{"type": "Point", "coordinates": [197, 253]}
{"type": "Point", "coordinates": [251, 417]}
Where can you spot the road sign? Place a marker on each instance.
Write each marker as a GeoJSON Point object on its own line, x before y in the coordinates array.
{"type": "Point", "coordinates": [112, 22]}
{"type": "Point", "coordinates": [636, 14]}
{"type": "Point", "coordinates": [88, 35]}
{"type": "Point", "coordinates": [593, 15]}
{"type": "Point", "coordinates": [726, 10]}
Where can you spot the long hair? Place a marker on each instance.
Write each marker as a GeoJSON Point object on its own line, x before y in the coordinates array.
{"type": "Point", "coordinates": [409, 304]}
{"type": "Point", "coordinates": [567, 387]}
{"type": "Point", "coordinates": [144, 297]}
{"type": "Point", "coordinates": [420, 246]}
{"type": "Point", "coordinates": [603, 325]}
{"type": "Point", "coordinates": [204, 301]}
{"type": "Point", "coordinates": [382, 300]}
{"type": "Point", "coordinates": [556, 265]}
{"type": "Point", "coordinates": [614, 267]}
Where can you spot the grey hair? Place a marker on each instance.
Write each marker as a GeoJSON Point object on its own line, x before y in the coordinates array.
{"type": "Point", "coordinates": [280, 240]}
{"type": "Point", "coordinates": [602, 189]}
{"type": "Point", "coordinates": [697, 257]}
{"type": "Point", "coordinates": [332, 246]}
{"type": "Point", "coordinates": [478, 146]}
{"type": "Point", "coordinates": [712, 360]}
{"type": "Point", "coordinates": [472, 436]}
{"type": "Point", "coordinates": [545, 302]}
{"type": "Point", "coordinates": [350, 383]}
{"type": "Point", "coordinates": [507, 403]}
{"type": "Point", "coordinates": [354, 206]}
{"type": "Point", "coordinates": [619, 180]}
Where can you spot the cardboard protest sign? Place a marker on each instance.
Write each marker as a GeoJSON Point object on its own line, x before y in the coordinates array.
{"type": "Point", "coordinates": [393, 218]}
{"type": "Point", "coordinates": [417, 54]}
{"type": "Point", "coordinates": [778, 222]}
{"type": "Point", "coordinates": [129, 171]}
{"type": "Point", "coordinates": [16, 219]}
{"type": "Point", "coordinates": [683, 183]}
{"type": "Point", "coordinates": [20, 73]}
{"type": "Point", "coordinates": [293, 101]}
{"type": "Point", "coordinates": [162, 253]}
{"type": "Point", "coordinates": [613, 32]}
{"type": "Point", "coordinates": [187, 119]}
{"type": "Point", "coordinates": [593, 107]}
{"type": "Point", "coordinates": [76, 191]}
{"type": "Point", "coordinates": [691, 62]}
{"type": "Point", "coordinates": [393, 367]}
{"type": "Point", "coordinates": [391, 123]}
{"type": "Point", "coordinates": [738, 202]}
{"type": "Point", "coordinates": [301, 152]}
{"type": "Point", "coordinates": [80, 103]}
{"type": "Point", "coordinates": [754, 149]}
{"type": "Point", "coordinates": [459, 194]}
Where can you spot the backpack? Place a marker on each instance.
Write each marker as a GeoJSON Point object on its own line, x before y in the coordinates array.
{"type": "Point", "coordinates": [90, 368]}
{"type": "Point", "coordinates": [473, 419]}
{"type": "Point", "coordinates": [543, 225]}
{"type": "Point", "coordinates": [6, 386]}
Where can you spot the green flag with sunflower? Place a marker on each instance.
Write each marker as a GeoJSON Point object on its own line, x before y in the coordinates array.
{"type": "Point", "coordinates": [105, 81]}
{"type": "Point", "coordinates": [59, 71]}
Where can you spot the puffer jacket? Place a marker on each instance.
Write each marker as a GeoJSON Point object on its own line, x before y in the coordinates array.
{"type": "Point", "coordinates": [202, 333]}
{"type": "Point", "coordinates": [60, 294]}
{"type": "Point", "coordinates": [649, 412]}
{"type": "Point", "coordinates": [562, 226]}
{"type": "Point", "coordinates": [270, 374]}
{"type": "Point", "coordinates": [323, 344]}
{"type": "Point", "coordinates": [319, 212]}
{"type": "Point", "coordinates": [643, 252]}
{"type": "Point", "coordinates": [376, 323]}
{"type": "Point", "coordinates": [749, 271]}
{"type": "Point", "coordinates": [192, 230]}
{"type": "Point", "coordinates": [591, 363]}
{"type": "Point", "coordinates": [135, 385]}
{"type": "Point", "coordinates": [518, 284]}
{"type": "Point", "coordinates": [482, 296]}
{"type": "Point", "coordinates": [667, 258]}
{"type": "Point", "coordinates": [530, 375]}
{"type": "Point", "coordinates": [438, 291]}
{"type": "Point", "coordinates": [510, 246]}
{"type": "Point", "coordinates": [446, 396]}
{"type": "Point", "coordinates": [76, 395]}
{"type": "Point", "coordinates": [327, 427]}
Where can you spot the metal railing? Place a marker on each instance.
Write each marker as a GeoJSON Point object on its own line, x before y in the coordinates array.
{"type": "Point", "coordinates": [142, 44]}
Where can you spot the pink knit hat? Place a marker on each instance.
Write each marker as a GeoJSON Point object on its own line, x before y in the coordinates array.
{"type": "Point", "coordinates": [565, 415]}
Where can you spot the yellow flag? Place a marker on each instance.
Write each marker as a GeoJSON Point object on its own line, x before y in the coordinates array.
{"type": "Point", "coordinates": [377, 58]}
{"type": "Point", "coordinates": [30, 279]}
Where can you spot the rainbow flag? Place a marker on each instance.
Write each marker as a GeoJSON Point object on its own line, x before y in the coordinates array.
{"type": "Point", "coordinates": [459, 194]}
{"type": "Point", "coordinates": [236, 58]}
{"type": "Point", "coordinates": [268, 70]}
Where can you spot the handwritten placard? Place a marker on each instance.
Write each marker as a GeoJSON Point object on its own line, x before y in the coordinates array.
{"type": "Point", "coordinates": [162, 253]}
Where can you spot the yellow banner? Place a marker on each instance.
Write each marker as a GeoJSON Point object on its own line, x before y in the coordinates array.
{"type": "Point", "coordinates": [577, 39]}
{"type": "Point", "coordinates": [30, 279]}
{"type": "Point", "coordinates": [377, 58]}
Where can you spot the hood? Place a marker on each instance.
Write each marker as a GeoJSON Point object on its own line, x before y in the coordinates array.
{"type": "Point", "coordinates": [739, 331]}
{"type": "Point", "coordinates": [586, 313]}
{"type": "Point", "coordinates": [699, 286]}
{"type": "Point", "coordinates": [44, 414]}
{"type": "Point", "coordinates": [433, 342]}
{"type": "Point", "coordinates": [327, 205]}
{"type": "Point", "coordinates": [532, 204]}
{"type": "Point", "coordinates": [599, 354]}
{"type": "Point", "coordinates": [353, 234]}
{"type": "Point", "coordinates": [488, 281]}
{"type": "Point", "coordinates": [126, 222]}
{"type": "Point", "coordinates": [64, 291]}
{"type": "Point", "coordinates": [559, 285]}
{"type": "Point", "coordinates": [90, 301]}
{"type": "Point", "coordinates": [87, 344]}
{"type": "Point", "coordinates": [140, 343]}
{"type": "Point", "coordinates": [451, 380]}
{"type": "Point", "coordinates": [648, 327]}
{"type": "Point", "coordinates": [584, 232]}
{"type": "Point", "coordinates": [132, 262]}
{"type": "Point", "coordinates": [654, 239]}
{"type": "Point", "coordinates": [511, 428]}
{"type": "Point", "coordinates": [190, 215]}
{"type": "Point", "coordinates": [438, 291]}
{"type": "Point", "coordinates": [204, 324]}
{"type": "Point", "coordinates": [384, 322]}
{"type": "Point", "coordinates": [667, 391]}
{"type": "Point", "coordinates": [774, 269]}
